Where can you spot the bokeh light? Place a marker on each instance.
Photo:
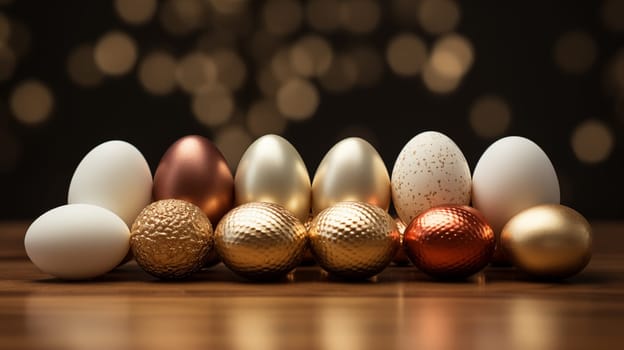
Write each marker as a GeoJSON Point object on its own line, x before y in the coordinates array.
{"type": "Point", "coordinates": [81, 67]}
{"type": "Point", "coordinates": [342, 74]}
{"type": "Point", "coordinates": [135, 11]}
{"type": "Point", "coordinates": [116, 53]}
{"type": "Point", "coordinates": [282, 17]}
{"type": "Point", "coordinates": [264, 118]}
{"type": "Point", "coordinates": [311, 56]}
{"type": "Point", "coordinates": [297, 99]}
{"type": "Point", "coordinates": [232, 141]}
{"type": "Point", "coordinates": [267, 82]}
{"type": "Point", "coordinates": [194, 71]}
{"type": "Point", "coordinates": [575, 52]}
{"type": "Point", "coordinates": [231, 70]}
{"type": "Point", "coordinates": [31, 102]}
{"type": "Point", "coordinates": [490, 116]}
{"type": "Point", "coordinates": [213, 105]}
{"type": "Point", "coordinates": [437, 81]}
{"type": "Point", "coordinates": [281, 65]}
{"type": "Point", "coordinates": [613, 15]}
{"type": "Point", "coordinates": [360, 16]}
{"type": "Point", "coordinates": [323, 15]}
{"type": "Point", "coordinates": [592, 141]}
{"type": "Point", "coordinates": [5, 28]}
{"type": "Point", "coordinates": [438, 16]}
{"type": "Point", "coordinates": [181, 17]}
{"type": "Point", "coordinates": [452, 56]}
{"type": "Point", "coordinates": [228, 7]}
{"type": "Point", "coordinates": [406, 54]}
{"type": "Point", "coordinates": [157, 73]}
{"type": "Point", "coordinates": [8, 62]}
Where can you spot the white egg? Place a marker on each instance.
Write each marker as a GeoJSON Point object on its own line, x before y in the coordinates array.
{"type": "Point", "coordinates": [513, 174]}
{"type": "Point", "coordinates": [77, 241]}
{"type": "Point", "coordinates": [429, 171]}
{"type": "Point", "coordinates": [115, 176]}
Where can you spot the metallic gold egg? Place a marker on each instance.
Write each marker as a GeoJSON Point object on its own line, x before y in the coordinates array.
{"type": "Point", "coordinates": [548, 241]}
{"type": "Point", "coordinates": [194, 170]}
{"type": "Point", "coordinates": [171, 239]}
{"type": "Point", "coordinates": [308, 257]}
{"type": "Point", "coordinates": [353, 171]}
{"type": "Point", "coordinates": [449, 242]}
{"type": "Point", "coordinates": [271, 170]}
{"type": "Point", "coordinates": [400, 258]}
{"type": "Point", "coordinates": [260, 240]}
{"type": "Point", "coordinates": [354, 240]}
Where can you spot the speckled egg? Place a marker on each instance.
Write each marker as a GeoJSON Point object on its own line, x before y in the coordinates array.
{"type": "Point", "coordinates": [430, 171]}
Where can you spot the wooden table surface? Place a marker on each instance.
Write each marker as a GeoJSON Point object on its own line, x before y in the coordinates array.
{"type": "Point", "coordinates": [400, 308]}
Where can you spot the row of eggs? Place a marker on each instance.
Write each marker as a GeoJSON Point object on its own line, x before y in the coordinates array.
{"type": "Point", "coordinates": [113, 183]}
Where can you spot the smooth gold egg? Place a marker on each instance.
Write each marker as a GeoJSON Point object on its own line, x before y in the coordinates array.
{"type": "Point", "coordinates": [260, 241]}
{"type": "Point", "coordinates": [548, 241]}
{"type": "Point", "coordinates": [171, 238]}
{"type": "Point", "coordinates": [352, 170]}
{"type": "Point", "coordinates": [354, 240]}
{"type": "Point", "coordinates": [271, 170]}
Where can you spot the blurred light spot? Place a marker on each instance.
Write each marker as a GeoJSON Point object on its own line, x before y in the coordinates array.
{"type": "Point", "coordinates": [575, 52]}
{"type": "Point", "coordinates": [323, 15]}
{"type": "Point", "coordinates": [311, 56]}
{"type": "Point", "coordinates": [228, 7]}
{"type": "Point", "coordinates": [360, 16]}
{"type": "Point", "coordinates": [7, 62]}
{"type": "Point", "coordinates": [5, 28]}
{"type": "Point", "coordinates": [262, 46]}
{"type": "Point", "coordinates": [215, 40]}
{"type": "Point", "coordinates": [19, 38]}
{"type": "Point", "coordinates": [438, 16]}
{"type": "Point", "coordinates": [282, 66]}
{"type": "Point", "coordinates": [490, 116]}
{"type": "Point", "coordinates": [136, 11]}
{"type": "Point", "coordinates": [115, 53]}
{"type": "Point", "coordinates": [31, 102]}
{"type": "Point", "coordinates": [157, 73]}
{"type": "Point", "coordinates": [614, 73]}
{"type": "Point", "coordinates": [592, 141]}
{"type": "Point", "coordinates": [282, 17]}
{"type": "Point", "coordinates": [406, 11]}
{"type": "Point", "coordinates": [232, 141]}
{"type": "Point", "coordinates": [267, 82]}
{"type": "Point", "coordinates": [298, 99]}
{"type": "Point", "coordinates": [264, 118]}
{"type": "Point", "coordinates": [452, 56]}
{"type": "Point", "coordinates": [369, 65]}
{"type": "Point", "coordinates": [213, 105]}
{"type": "Point", "coordinates": [613, 15]}
{"type": "Point", "coordinates": [81, 67]}
{"type": "Point", "coordinates": [194, 71]}
{"type": "Point", "coordinates": [231, 70]}
{"type": "Point", "coordinates": [342, 74]}
{"type": "Point", "coordinates": [10, 151]}
{"type": "Point", "coordinates": [406, 54]}
{"type": "Point", "coordinates": [437, 81]}
{"type": "Point", "coordinates": [181, 17]}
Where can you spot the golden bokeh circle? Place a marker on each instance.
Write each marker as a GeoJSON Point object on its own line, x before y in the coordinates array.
{"type": "Point", "coordinates": [116, 53]}
{"type": "Point", "coordinates": [592, 141]}
{"type": "Point", "coordinates": [213, 105]}
{"type": "Point", "coordinates": [31, 102]}
{"type": "Point", "coordinates": [136, 11]}
{"type": "Point", "coordinates": [406, 54]}
{"type": "Point", "coordinates": [575, 52]}
{"type": "Point", "coordinates": [298, 99]}
{"type": "Point", "coordinates": [82, 68]}
{"type": "Point", "coordinates": [438, 16]}
{"type": "Point", "coordinates": [157, 73]}
{"type": "Point", "coordinates": [490, 116]}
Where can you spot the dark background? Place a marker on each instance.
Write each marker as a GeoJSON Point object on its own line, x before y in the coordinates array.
{"type": "Point", "coordinates": [513, 44]}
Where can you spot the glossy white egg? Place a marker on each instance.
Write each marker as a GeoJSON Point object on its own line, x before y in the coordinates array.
{"type": "Point", "coordinates": [513, 174]}
{"type": "Point", "coordinates": [115, 176]}
{"type": "Point", "coordinates": [77, 241]}
{"type": "Point", "coordinates": [429, 171]}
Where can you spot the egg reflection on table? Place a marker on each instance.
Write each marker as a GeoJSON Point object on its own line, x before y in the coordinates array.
{"type": "Point", "coordinates": [352, 170]}
{"type": "Point", "coordinates": [194, 170]}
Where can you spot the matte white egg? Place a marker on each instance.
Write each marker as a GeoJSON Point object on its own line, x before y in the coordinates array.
{"type": "Point", "coordinates": [513, 174]}
{"type": "Point", "coordinates": [77, 241]}
{"type": "Point", "coordinates": [115, 176]}
{"type": "Point", "coordinates": [429, 171]}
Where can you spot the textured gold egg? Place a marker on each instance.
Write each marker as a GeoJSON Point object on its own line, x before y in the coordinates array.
{"type": "Point", "coordinates": [353, 171]}
{"type": "Point", "coordinates": [260, 240]}
{"type": "Point", "coordinates": [171, 238]}
{"type": "Point", "coordinates": [548, 241]}
{"type": "Point", "coordinates": [354, 240]}
{"type": "Point", "coordinates": [271, 170]}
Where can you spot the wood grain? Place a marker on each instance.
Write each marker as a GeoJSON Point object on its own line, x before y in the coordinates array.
{"type": "Point", "coordinates": [401, 308]}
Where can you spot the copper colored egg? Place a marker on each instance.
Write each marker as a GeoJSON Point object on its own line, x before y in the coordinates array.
{"type": "Point", "coordinates": [449, 242]}
{"type": "Point", "coordinates": [260, 241]}
{"type": "Point", "coordinates": [171, 239]}
{"type": "Point", "coordinates": [194, 170]}
{"type": "Point", "coordinates": [353, 240]}
{"type": "Point", "coordinates": [400, 258]}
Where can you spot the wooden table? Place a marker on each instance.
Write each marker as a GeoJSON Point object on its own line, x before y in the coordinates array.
{"type": "Point", "coordinates": [401, 308]}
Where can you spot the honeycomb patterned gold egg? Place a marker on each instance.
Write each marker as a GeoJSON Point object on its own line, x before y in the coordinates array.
{"type": "Point", "coordinates": [171, 239]}
{"type": "Point", "coordinates": [354, 240]}
{"type": "Point", "coordinates": [449, 241]}
{"type": "Point", "coordinates": [260, 241]}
